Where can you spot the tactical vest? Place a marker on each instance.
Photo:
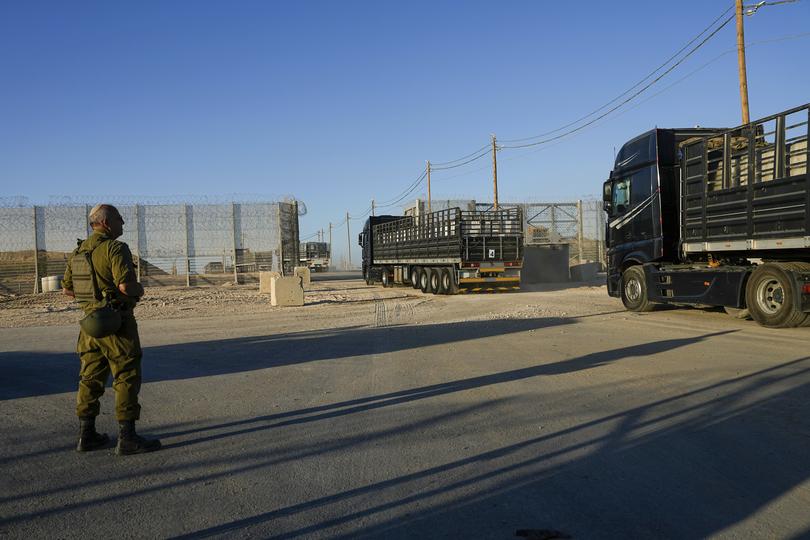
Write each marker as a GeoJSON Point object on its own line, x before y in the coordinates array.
{"type": "Point", "coordinates": [85, 283]}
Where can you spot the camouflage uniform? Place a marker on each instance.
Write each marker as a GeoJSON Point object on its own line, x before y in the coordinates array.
{"type": "Point", "coordinates": [120, 353]}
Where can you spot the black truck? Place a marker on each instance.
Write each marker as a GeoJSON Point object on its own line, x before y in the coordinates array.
{"type": "Point", "coordinates": [441, 251]}
{"type": "Point", "coordinates": [717, 217]}
{"type": "Point", "coordinates": [314, 255]}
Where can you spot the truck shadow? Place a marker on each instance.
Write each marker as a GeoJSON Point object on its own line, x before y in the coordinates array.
{"type": "Point", "coordinates": [687, 466]}
{"type": "Point", "coordinates": [31, 373]}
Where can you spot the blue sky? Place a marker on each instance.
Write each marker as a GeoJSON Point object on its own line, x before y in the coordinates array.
{"type": "Point", "coordinates": [337, 103]}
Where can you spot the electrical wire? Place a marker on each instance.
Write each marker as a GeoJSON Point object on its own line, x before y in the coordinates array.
{"type": "Point", "coordinates": [632, 97]}
{"type": "Point", "coordinates": [435, 166]}
{"type": "Point", "coordinates": [479, 156]}
{"type": "Point", "coordinates": [639, 83]}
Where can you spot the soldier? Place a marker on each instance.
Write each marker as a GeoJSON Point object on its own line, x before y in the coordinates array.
{"type": "Point", "coordinates": [100, 276]}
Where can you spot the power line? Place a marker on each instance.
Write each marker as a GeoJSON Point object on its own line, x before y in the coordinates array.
{"type": "Point", "coordinates": [632, 97]}
{"type": "Point", "coordinates": [479, 156]}
{"type": "Point", "coordinates": [639, 83]}
{"type": "Point", "coordinates": [443, 163]}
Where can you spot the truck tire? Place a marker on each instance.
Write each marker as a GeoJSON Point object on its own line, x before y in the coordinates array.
{"type": "Point", "coordinates": [367, 276]}
{"type": "Point", "coordinates": [771, 298]}
{"type": "Point", "coordinates": [424, 280]}
{"type": "Point", "coordinates": [416, 276]}
{"type": "Point", "coordinates": [386, 277]}
{"type": "Point", "coordinates": [448, 281]}
{"type": "Point", "coordinates": [436, 280]}
{"type": "Point", "coordinates": [634, 290]}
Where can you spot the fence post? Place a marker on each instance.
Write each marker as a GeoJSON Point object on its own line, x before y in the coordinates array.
{"type": "Point", "coordinates": [138, 242]}
{"type": "Point", "coordinates": [580, 234]}
{"type": "Point", "coordinates": [233, 230]}
{"type": "Point", "coordinates": [36, 254]}
{"type": "Point", "coordinates": [188, 263]}
{"type": "Point", "coordinates": [600, 215]}
{"type": "Point", "coordinates": [280, 239]}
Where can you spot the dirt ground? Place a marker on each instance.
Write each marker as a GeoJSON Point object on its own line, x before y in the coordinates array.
{"type": "Point", "coordinates": [322, 299]}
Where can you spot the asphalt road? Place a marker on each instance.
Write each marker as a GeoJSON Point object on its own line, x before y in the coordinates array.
{"type": "Point", "coordinates": [672, 424]}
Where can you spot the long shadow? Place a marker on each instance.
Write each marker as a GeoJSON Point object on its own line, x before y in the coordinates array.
{"type": "Point", "coordinates": [333, 410]}
{"type": "Point", "coordinates": [669, 469]}
{"type": "Point", "coordinates": [368, 403]}
{"type": "Point", "coordinates": [30, 373]}
{"type": "Point", "coordinates": [325, 412]}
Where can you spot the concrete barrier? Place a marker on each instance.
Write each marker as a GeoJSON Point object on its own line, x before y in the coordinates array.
{"type": "Point", "coordinates": [286, 291]}
{"type": "Point", "coordinates": [264, 281]}
{"type": "Point", "coordinates": [585, 271]}
{"type": "Point", "coordinates": [51, 283]}
{"type": "Point", "coordinates": [304, 273]}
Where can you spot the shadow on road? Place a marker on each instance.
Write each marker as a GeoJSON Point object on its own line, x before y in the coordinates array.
{"type": "Point", "coordinates": [27, 374]}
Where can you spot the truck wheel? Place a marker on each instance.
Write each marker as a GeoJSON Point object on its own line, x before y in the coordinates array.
{"type": "Point", "coordinates": [435, 280]}
{"type": "Point", "coordinates": [416, 274]}
{"type": "Point", "coordinates": [367, 276]}
{"type": "Point", "coordinates": [770, 297]}
{"type": "Point", "coordinates": [448, 282]}
{"type": "Point", "coordinates": [634, 290]}
{"type": "Point", "coordinates": [424, 280]}
{"type": "Point", "coordinates": [386, 278]}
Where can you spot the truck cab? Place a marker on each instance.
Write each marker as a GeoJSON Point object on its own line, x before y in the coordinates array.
{"type": "Point", "coordinates": [640, 198]}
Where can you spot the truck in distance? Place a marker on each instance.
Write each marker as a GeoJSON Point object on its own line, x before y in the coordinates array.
{"type": "Point", "coordinates": [717, 217]}
{"type": "Point", "coordinates": [443, 251]}
{"type": "Point", "coordinates": [314, 255]}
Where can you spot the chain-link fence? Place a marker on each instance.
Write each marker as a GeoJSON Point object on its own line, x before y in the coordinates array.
{"type": "Point", "coordinates": [579, 224]}
{"type": "Point", "coordinates": [172, 244]}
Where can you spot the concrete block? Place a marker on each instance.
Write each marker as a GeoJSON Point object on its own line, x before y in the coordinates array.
{"type": "Point", "coordinates": [286, 291]}
{"type": "Point", "coordinates": [585, 271]}
{"type": "Point", "coordinates": [51, 283]}
{"type": "Point", "coordinates": [545, 263]}
{"type": "Point", "coordinates": [304, 273]}
{"type": "Point", "coordinates": [264, 281]}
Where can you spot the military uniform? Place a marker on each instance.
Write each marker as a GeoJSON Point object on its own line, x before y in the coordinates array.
{"type": "Point", "coordinates": [119, 353]}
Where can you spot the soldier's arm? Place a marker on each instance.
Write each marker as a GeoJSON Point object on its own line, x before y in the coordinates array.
{"type": "Point", "coordinates": [67, 282]}
{"type": "Point", "coordinates": [131, 288]}
{"type": "Point", "coordinates": [124, 270]}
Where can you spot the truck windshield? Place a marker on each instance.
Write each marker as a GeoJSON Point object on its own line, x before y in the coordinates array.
{"type": "Point", "coordinates": [621, 195]}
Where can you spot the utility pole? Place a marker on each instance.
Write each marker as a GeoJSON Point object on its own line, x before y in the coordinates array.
{"type": "Point", "coordinates": [349, 241]}
{"type": "Point", "coordinates": [495, 169]}
{"type": "Point", "coordinates": [741, 62]}
{"type": "Point", "coordinates": [428, 179]}
{"type": "Point", "coordinates": [372, 207]}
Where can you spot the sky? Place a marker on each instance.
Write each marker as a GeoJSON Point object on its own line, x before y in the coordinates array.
{"type": "Point", "coordinates": [338, 103]}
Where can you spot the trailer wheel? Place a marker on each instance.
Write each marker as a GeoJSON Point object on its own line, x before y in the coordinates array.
{"type": "Point", "coordinates": [424, 280]}
{"type": "Point", "coordinates": [416, 277]}
{"type": "Point", "coordinates": [634, 290]}
{"type": "Point", "coordinates": [448, 282]}
{"type": "Point", "coordinates": [770, 297]}
{"type": "Point", "coordinates": [386, 277]}
{"type": "Point", "coordinates": [435, 281]}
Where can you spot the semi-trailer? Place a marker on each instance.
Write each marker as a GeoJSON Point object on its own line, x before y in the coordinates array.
{"type": "Point", "coordinates": [443, 251]}
{"type": "Point", "coordinates": [714, 217]}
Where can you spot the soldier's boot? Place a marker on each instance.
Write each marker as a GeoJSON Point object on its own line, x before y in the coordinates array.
{"type": "Point", "coordinates": [129, 442]}
{"type": "Point", "coordinates": [89, 438]}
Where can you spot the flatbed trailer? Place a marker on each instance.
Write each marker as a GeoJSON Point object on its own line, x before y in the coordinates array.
{"type": "Point", "coordinates": [717, 217]}
{"type": "Point", "coordinates": [445, 251]}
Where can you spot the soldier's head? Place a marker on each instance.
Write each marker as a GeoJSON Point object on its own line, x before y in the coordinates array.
{"type": "Point", "coordinates": [107, 218]}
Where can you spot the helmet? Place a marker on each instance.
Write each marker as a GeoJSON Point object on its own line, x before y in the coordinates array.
{"type": "Point", "coordinates": [101, 322]}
